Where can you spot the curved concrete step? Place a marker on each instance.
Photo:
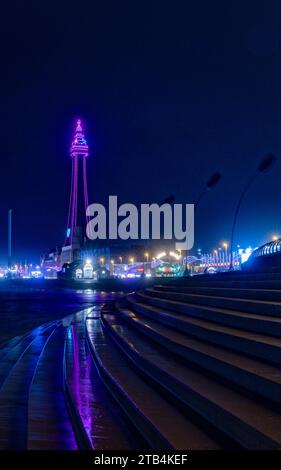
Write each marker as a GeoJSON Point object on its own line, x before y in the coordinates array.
{"type": "Point", "coordinates": [160, 423]}
{"type": "Point", "coordinates": [232, 276]}
{"type": "Point", "coordinates": [260, 378]}
{"type": "Point", "coordinates": [228, 282]}
{"type": "Point", "coordinates": [97, 419]}
{"type": "Point", "coordinates": [15, 389]}
{"type": "Point", "coordinates": [257, 323]}
{"type": "Point", "coordinates": [262, 307]}
{"type": "Point", "coordinates": [14, 350]}
{"type": "Point", "coordinates": [272, 295]}
{"type": "Point", "coordinates": [260, 346]}
{"type": "Point", "coordinates": [49, 426]}
{"type": "Point", "coordinates": [250, 424]}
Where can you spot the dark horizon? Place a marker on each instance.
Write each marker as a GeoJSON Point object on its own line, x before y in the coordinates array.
{"type": "Point", "coordinates": [167, 97]}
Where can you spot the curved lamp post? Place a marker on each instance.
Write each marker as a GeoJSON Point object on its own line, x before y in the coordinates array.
{"type": "Point", "coordinates": [211, 183]}
{"type": "Point", "coordinates": [264, 165]}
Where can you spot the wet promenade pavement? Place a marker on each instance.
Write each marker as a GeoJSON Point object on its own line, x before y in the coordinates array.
{"type": "Point", "coordinates": [47, 378]}
{"type": "Point", "coordinates": [25, 305]}
{"type": "Point", "coordinates": [190, 365]}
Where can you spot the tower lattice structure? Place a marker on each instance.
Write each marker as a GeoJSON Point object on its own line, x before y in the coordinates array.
{"type": "Point", "coordinates": [77, 219]}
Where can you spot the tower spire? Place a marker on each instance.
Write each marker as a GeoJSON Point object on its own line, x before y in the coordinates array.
{"type": "Point", "coordinates": [79, 127]}
{"type": "Point", "coordinates": [79, 144]}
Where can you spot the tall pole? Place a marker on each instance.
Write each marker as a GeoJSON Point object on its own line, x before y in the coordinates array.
{"type": "Point", "coordinates": [9, 238]}
{"type": "Point", "coordinates": [245, 190]}
{"type": "Point", "coordinates": [76, 214]}
{"type": "Point", "coordinates": [265, 165]}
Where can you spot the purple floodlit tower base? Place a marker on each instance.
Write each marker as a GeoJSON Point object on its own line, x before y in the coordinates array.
{"type": "Point", "coordinates": [79, 152]}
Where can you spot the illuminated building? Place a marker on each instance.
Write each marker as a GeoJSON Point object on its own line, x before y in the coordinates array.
{"type": "Point", "coordinates": [88, 270]}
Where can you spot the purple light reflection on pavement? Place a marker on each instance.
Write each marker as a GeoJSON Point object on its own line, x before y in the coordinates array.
{"type": "Point", "coordinates": [81, 377]}
{"type": "Point", "coordinates": [102, 420]}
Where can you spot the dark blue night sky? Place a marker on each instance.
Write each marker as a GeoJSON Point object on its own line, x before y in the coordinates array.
{"type": "Point", "coordinates": [169, 91]}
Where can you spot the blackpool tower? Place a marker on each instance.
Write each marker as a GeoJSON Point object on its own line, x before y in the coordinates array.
{"type": "Point", "coordinates": [77, 219]}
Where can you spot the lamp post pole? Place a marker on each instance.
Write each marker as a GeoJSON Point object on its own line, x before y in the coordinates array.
{"type": "Point", "coordinates": [147, 256]}
{"type": "Point", "coordinates": [265, 164]}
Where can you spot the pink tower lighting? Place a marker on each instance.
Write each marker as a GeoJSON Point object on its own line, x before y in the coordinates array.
{"type": "Point", "coordinates": [79, 151]}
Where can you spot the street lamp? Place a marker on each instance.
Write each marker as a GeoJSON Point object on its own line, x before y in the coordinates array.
{"type": "Point", "coordinates": [216, 256]}
{"type": "Point", "coordinates": [147, 257]}
{"type": "Point", "coordinates": [225, 246]}
{"type": "Point", "coordinates": [112, 265]}
{"type": "Point", "coordinates": [264, 165]}
{"type": "Point", "coordinates": [145, 266]}
{"type": "Point", "coordinates": [211, 183]}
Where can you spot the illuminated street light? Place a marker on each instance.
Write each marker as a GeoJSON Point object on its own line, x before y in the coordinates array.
{"type": "Point", "coordinates": [102, 260]}
{"type": "Point", "coordinates": [225, 246]}
{"type": "Point", "coordinates": [145, 266]}
{"type": "Point", "coordinates": [275, 238]}
{"type": "Point", "coordinates": [215, 255]}
{"type": "Point", "coordinates": [112, 266]}
{"type": "Point", "coordinates": [132, 259]}
{"type": "Point", "coordinates": [266, 163]}
{"type": "Point", "coordinates": [120, 259]}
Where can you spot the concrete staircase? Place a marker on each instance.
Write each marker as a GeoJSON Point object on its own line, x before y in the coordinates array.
{"type": "Point", "coordinates": [51, 396]}
{"type": "Point", "coordinates": [193, 364]}
{"type": "Point", "coordinates": [196, 364]}
{"type": "Point", "coordinates": [32, 409]}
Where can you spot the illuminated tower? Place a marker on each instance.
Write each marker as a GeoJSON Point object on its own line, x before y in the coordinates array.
{"type": "Point", "coordinates": [77, 219]}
